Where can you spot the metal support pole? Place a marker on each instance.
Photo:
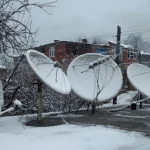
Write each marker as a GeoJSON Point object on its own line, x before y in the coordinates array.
{"type": "Point", "coordinates": [139, 57]}
{"type": "Point", "coordinates": [140, 99]}
{"type": "Point", "coordinates": [117, 53]}
{"type": "Point", "coordinates": [39, 101]}
{"type": "Point", "coordinates": [93, 108]}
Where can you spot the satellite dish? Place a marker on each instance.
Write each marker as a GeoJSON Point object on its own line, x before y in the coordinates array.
{"type": "Point", "coordinates": [139, 76]}
{"type": "Point", "coordinates": [48, 72]}
{"type": "Point", "coordinates": [1, 95]}
{"type": "Point", "coordinates": [95, 77]}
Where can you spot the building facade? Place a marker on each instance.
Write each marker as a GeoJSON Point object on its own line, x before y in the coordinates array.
{"type": "Point", "coordinates": [58, 50]}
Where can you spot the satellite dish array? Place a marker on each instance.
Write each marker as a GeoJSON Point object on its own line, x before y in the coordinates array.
{"type": "Point", "coordinates": [93, 77]}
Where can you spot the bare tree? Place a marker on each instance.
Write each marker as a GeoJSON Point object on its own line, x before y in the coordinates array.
{"type": "Point", "coordinates": [15, 24]}
{"type": "Point", "coordinates": [135, 40]}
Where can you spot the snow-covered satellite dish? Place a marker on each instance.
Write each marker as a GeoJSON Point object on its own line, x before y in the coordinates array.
{"type": "Point", "coordinates": [48, 72]}
{"type": "Point", "coordinates": [95, 77]}
{"type": "Point", "coordinates": [1, 95]}
{"type": "Point", "coordinates": [139, 76]}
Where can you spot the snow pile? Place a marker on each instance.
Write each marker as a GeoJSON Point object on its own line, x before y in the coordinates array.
{"type": "Point", "coordinates": [122, 99]}
{"type": "Point", "coordinates": [17, 103]}
{"type": "Point", "coordinates": [15, 136]}
{"type": "Point", "coordinates": [144, 53]}
{"type": "Point", "coordinates": [126, 97]}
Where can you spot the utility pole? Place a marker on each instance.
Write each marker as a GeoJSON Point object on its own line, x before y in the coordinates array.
{"type": "Point", "coordinates": [141, 96]}
{"type": "Point", "coordinates": [117, 53]}
{"type": "Point", "coordinates": [118, 44]}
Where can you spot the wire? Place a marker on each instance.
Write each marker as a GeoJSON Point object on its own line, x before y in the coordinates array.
{"type": "Point", "coordinates": [123, 33]}
{"type": "Point", "coordinates": [56, 74]}
{"type": "Point", "coordinates": [50, 72]}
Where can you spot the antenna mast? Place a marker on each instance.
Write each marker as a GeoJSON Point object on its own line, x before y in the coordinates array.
{"type": "Point", "coordinates": [117, 53]}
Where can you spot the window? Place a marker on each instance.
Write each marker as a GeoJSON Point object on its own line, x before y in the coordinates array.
{"type": "Point", "coordinates": [132, 54]}
{"type": "Point", "coordinates": [52, 52]}
{"type": "Point", "coordinates": [114, 52]}
{"type": "Point", "coordinates": [101, 50]}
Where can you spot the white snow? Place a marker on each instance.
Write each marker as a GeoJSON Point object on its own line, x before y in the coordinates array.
{"type": "Point", "coordinates": [123, 45]}
{"type": "Point", "coordinates": [144, 53]}
{"type": "Point", "coordinates": [126, 97]}
{"type": "Point", "coordinates": [145, 109]}
{"type": "Point", "coordinates": [7, 110]}
{"type": "Point", "coordinates": [123, 100]}
{"type": "Point", "coordinates": [17, 103]}
{"type": "Point", "coordinates": [15, 136]}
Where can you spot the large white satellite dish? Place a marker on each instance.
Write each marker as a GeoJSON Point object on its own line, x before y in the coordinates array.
{"type": "Point", "coordinates": [139, 76]}
{"type": "Point", "coordinates": [1, 95]}
{"type": "Point", "coordinates": [48, 72]}
{"type": "Point", "coordinates": [95, 77]}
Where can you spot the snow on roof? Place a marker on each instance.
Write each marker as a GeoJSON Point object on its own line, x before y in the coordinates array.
{"type": "Point", "coordinates": [123, 45]}
{"type": "Point", "coordinates": [99, 44]}
{"type": "Point", "coordinates": [126, 46]}
{"type": "Point", "coordinates": [144, 53]}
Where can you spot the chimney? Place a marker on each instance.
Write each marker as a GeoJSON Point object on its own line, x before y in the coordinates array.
{"type": "Point", "coordinates": [84, 41]}
{"type": "Point", "coordinates": [55, 41]}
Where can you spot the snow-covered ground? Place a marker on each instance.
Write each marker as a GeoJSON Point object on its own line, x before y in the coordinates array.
{"type": "Point", "coordinates": [126, 97]}
{"type": "Point", "coordinates": [15, 136]}
{"type": "Point", "coordinates": [122, 99]}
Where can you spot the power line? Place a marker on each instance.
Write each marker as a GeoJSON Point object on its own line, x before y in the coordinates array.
{"type": "Point", "coordinates": [123, 33]}
{"type": "Point", "coordinates": [137, 30]}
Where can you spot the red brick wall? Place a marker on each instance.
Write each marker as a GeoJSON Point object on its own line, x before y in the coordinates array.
{"type": "Point", "coordinates": [109, 51]}
{"type": "Point", "coordinates": [125, 58]}
{"type": "Point", "coordinates": [47, 50]}
{"type": "Point", "coordinates": [127, 62]}
{"type": "Point", "coordinates": [82, 48]}
{"type": "Point", "coordinates": [60, 51]}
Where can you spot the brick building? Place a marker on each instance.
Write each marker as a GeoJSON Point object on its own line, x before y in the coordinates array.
{"type": "Point", "coordinates": [59, 49]}
{"type": "Point", "coordinates": [129, 55]}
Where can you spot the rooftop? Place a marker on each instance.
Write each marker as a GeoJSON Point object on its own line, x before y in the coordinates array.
{"type": "Point", "coordinates": [123, 45]}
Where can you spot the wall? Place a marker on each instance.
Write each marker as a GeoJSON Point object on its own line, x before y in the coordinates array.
{"type": "Point", "coordinates": [63, 48]}
{"type": "Point", "coordinates": [125, 58]}
{"type": "Point", "coordinates": [105, 50]}
{"type": "Point", "coordinates": [59, 51]}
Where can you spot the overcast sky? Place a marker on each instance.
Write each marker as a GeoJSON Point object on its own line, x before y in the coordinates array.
{"type": "Point", "coordinates": [87, 18]}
